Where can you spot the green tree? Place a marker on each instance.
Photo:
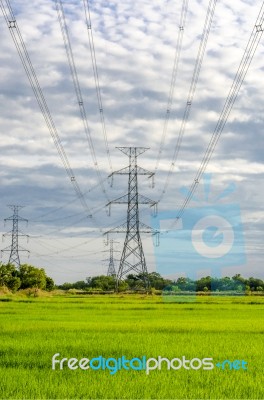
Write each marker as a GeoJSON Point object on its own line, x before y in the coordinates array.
{"type": "Point", "coordinates": [14, 283]}
{"type": "Point", "coordinates": [123, 286]}
{"type": "Point", "coordinates": [253, 283]}
{"type": "Point", "coordinates": [50, 285]}
{"type": "Point", "coordinates": [66, 286]}
{"type": "Point", "coordinates": [226, 284]}
{"type": "Point", "coordinates": [132, 281]}
{"type": "Point", "coordinates": [9, 277]}
{"type": "Point", "coordinates": [203, 282]}
{"type": "Point", "coordinates": [238, 278]}
{"type": "Point", "coordinates": [32, 277]}
{"type": "Point", "coordinates": [157, 281]}
{"type": "Point", "coordinates": [79, 285]}
{"type": "Point", "coordinates": [185, 284]}
{"type": "Point", "coordinates": [102, 282]}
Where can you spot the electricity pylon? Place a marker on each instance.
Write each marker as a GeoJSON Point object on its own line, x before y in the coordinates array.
{"type": "Point", "coordinates": [111, 266]}
{"type": "Point", "coordinates": [14, 248]}
{"type": "Point", "coordinates": [133, 258]}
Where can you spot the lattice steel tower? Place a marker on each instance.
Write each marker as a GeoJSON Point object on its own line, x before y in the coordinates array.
{"type": "Point", "coordinates": [132, 258]}
{"type": "Point", "coordinates": [14, 248]}
{"type": "Point", "coordinates": [111, 266]}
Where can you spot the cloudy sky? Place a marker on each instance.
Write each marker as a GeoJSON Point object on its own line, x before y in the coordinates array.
{"type": "Point", "coordinates": [135, 48]}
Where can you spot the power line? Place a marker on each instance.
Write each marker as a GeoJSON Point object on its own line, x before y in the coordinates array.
{"type": "Point", "coordinates": [70, 202]}
{"type": "Point", "coordinates": [244, 65]}
{"type": "Point", "coordinates": [173, 79]}
{"type": "Point", "coordinates": [69, 225]}
{"type": "Point", "coordinates": [191, 93]}
{"type": "Point", "coordinates": [96, 77]}
{"type": "Point", "coordinates": [99, 230]}
{"type": "Point", "coordinates": [33, 80]}
{"type": "Point", "coordinates": [60, 218]}
{"type": "Point", "coordinates": [68, 248]}
{"type": "Point", "coordinates": [53, 253]}
{"type": "Point", "coordinates": [75, 222]}
{"type": "Point", "coordinates": [77, 87]}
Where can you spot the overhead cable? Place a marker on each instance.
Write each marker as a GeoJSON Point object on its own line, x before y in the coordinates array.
{"type": "Point", "coordinates": [244, 65]}
{"type": "Point", "coordinates": [173, 79]}
{"type": "Point", "coordinates": [77, 88]}
{"type": "Point", "coordinates": [96, 77]}
{"type": "Point", "coordinates": [33, 80]}
{"type": "Point", "coordinates": [192, 89]}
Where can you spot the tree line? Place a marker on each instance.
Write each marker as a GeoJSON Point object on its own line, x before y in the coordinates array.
{"type": "Point", "coordinates": [28, 276]}
{"type": "Point", "coordinates": [134, 282]}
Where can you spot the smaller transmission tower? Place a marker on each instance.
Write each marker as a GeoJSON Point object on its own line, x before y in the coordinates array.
{"type": "Point", "coordinates": [111, 266]}
{"type": "Point", "coordinates": [14, 249]}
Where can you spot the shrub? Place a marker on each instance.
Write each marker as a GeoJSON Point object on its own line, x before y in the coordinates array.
{"type": "Point", "coordinates": [4, 290]}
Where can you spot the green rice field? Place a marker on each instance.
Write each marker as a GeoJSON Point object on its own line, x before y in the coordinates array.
{"type": "Point", "coordinates": [32, 330]}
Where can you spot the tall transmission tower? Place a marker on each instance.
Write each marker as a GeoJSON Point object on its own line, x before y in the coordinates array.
{"type": "Point", "coordinates": [133, 258]}
{"type": "Point", "coordinates": [14, 249]}
{"type": "Point", "coordinates": [111, 266]}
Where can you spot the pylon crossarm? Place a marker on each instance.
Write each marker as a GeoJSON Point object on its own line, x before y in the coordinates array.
{"type": "Point", "coordinates": [145, 228]}
{"type": "Point", "coordinates": [17, 217]}
{"type": "Point", "coordinates": [119, 200]}
{"type": "Point", "coordinates": [145, 200]}
{"type": "Point", "coordinates": [21, 249]}
{"type": "Point", "coordinates": [143, 171]}
{"type": "Point", "coordinates": [118, 229]}
{"type": "Point", "coordinates": [122, 171]}
{"type": "Point", "coordinates": [133, 151]}
{"type": "Point", "coordinates": [19, 234]}
{"type": "Point", "coordinates": [133, 231]}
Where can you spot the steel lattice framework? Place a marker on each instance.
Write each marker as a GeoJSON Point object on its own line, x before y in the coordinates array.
{"type": "Point", "coordinates": [133, 258]}
{"type": "Point", "coordinates": [14, 248]}
{"type": "Point", "coordinates": [111, 266]}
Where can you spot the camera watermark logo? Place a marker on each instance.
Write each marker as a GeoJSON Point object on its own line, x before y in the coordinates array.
{"type": "Point", "coordinates": [213, 236]}
{"type": "Point", "coordinates": [208, 237]}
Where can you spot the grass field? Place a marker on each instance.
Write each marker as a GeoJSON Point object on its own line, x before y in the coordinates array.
{"type": "Point", "coordinates": [33, 330]}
